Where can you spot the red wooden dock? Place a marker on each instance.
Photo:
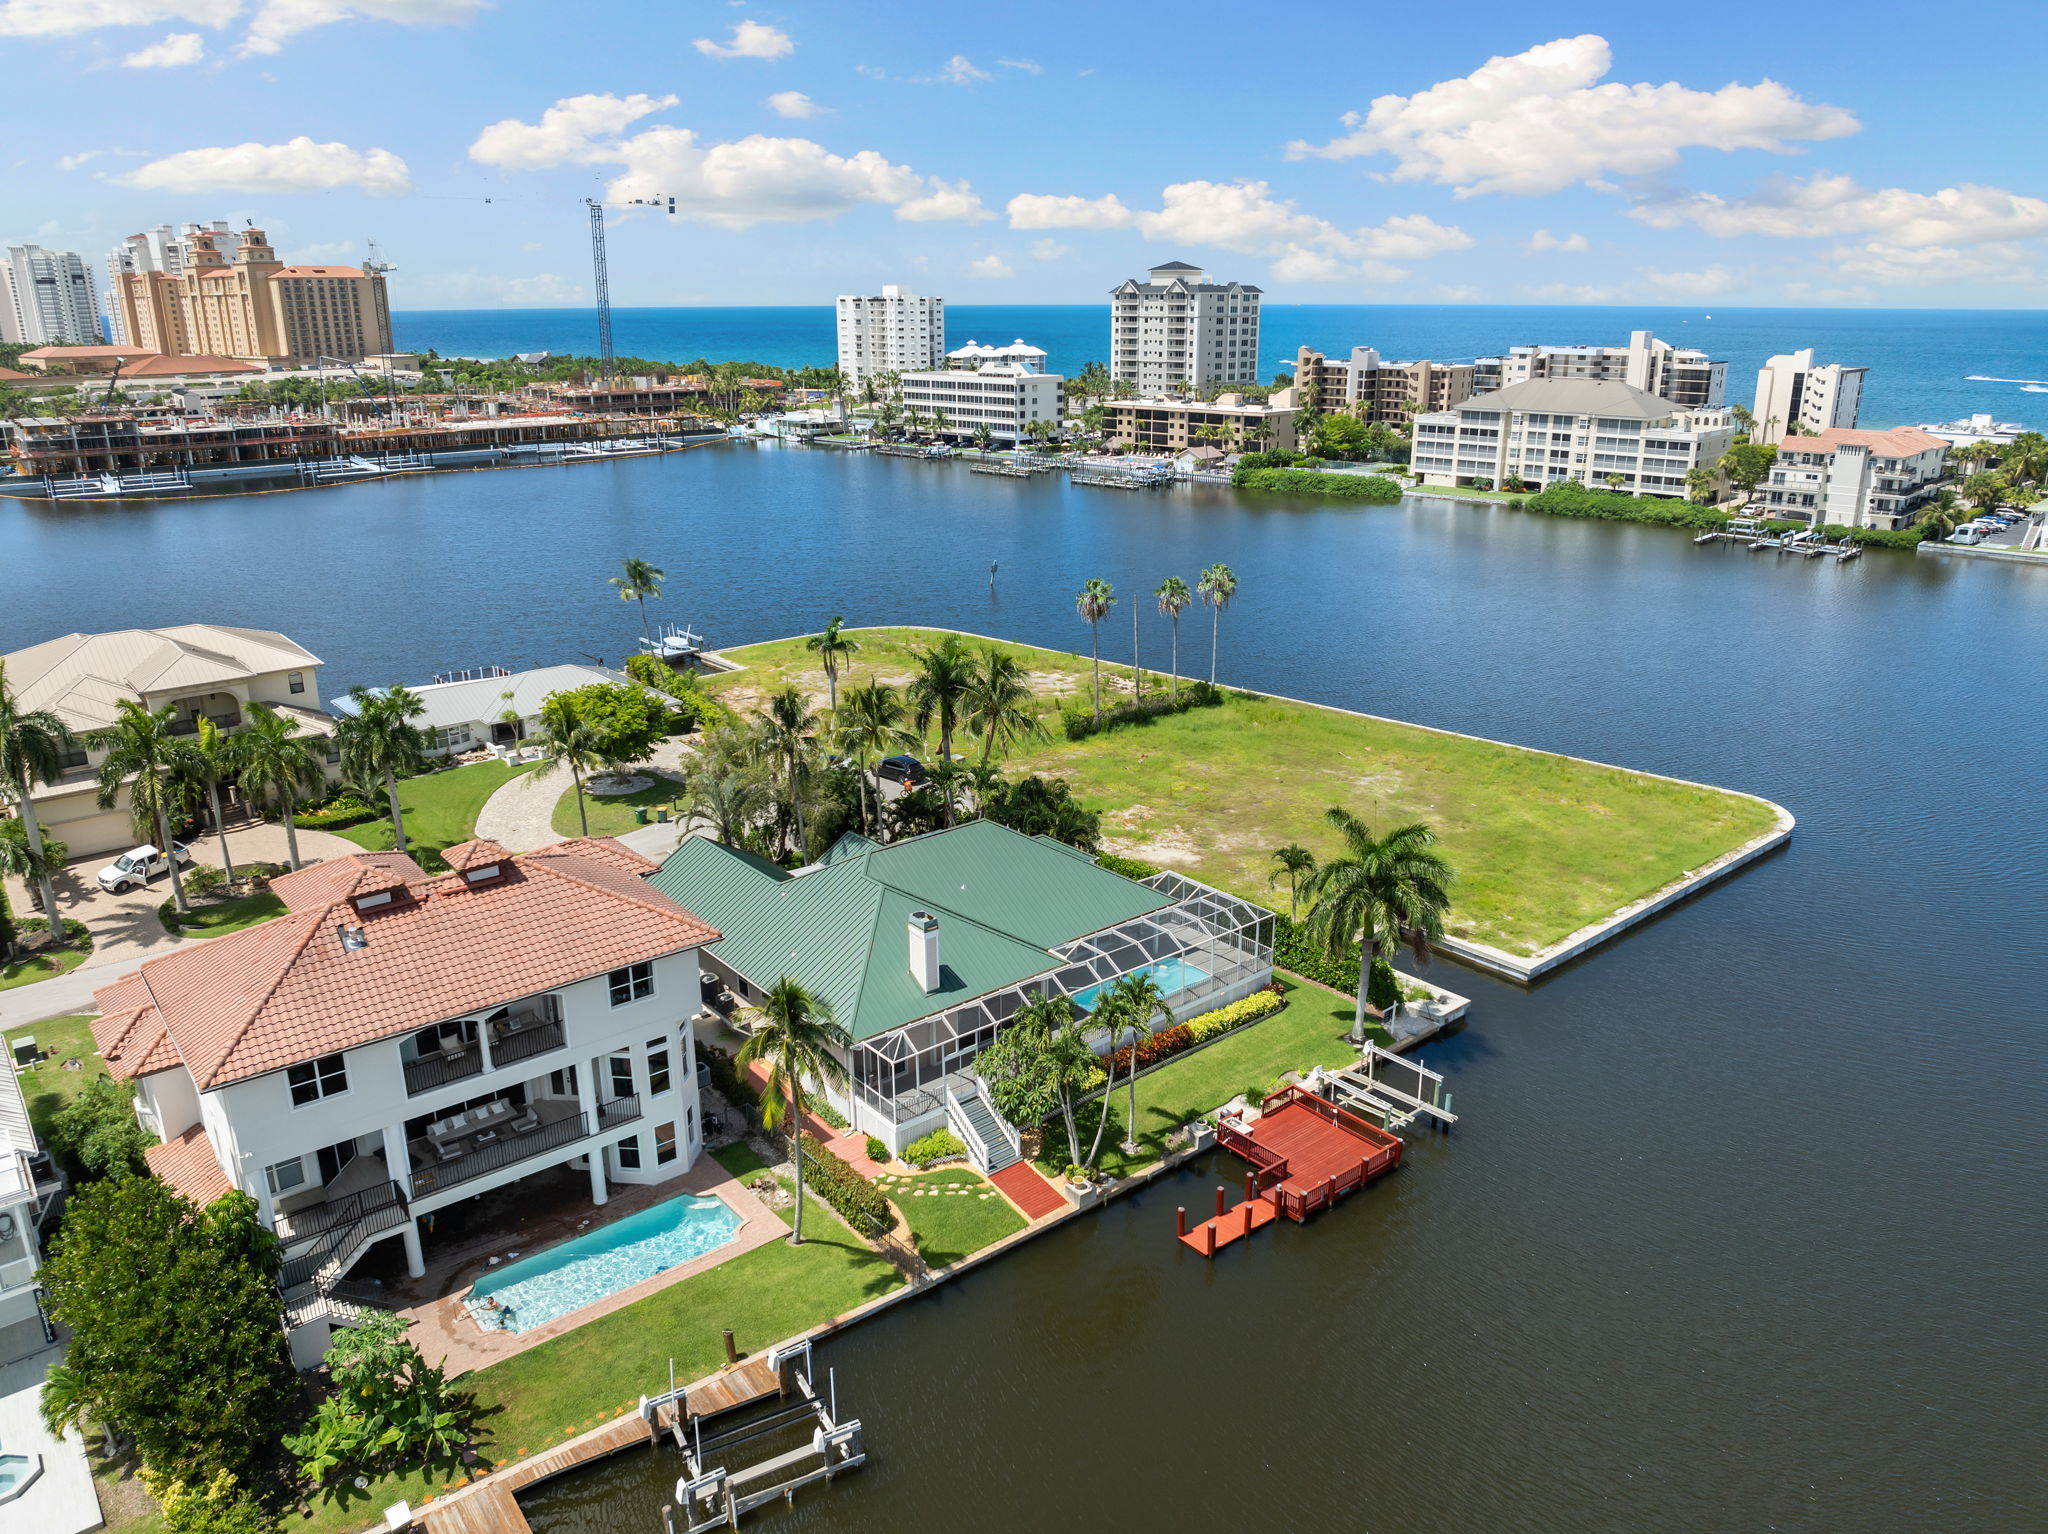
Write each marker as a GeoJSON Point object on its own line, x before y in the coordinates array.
{"type": "Point", "coordinates": [1305, 1154]}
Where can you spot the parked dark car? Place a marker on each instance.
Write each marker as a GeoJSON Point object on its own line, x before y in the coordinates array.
{"type": "Point", "coordinates": [907, 772]}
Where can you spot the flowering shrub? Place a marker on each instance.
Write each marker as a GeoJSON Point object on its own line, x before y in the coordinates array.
{"type": "Point", "coordinates": [1168, 1042]}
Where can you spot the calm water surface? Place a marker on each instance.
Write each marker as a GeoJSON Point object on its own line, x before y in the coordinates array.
{"type": "Point", "coordinates": [1743, 1227]}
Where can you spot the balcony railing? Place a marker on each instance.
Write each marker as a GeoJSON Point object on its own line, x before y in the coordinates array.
{"type": "Point", "coordinates": [327, 1232]}
{"type": "Point", "coordinates": [511, 1147]}
{"type": "Point", "coordinates": [228, 721]}
{"type": "Point", "coordinates": [535, 1028]}
{"type": "Point", "coordinates": [437, 1070]}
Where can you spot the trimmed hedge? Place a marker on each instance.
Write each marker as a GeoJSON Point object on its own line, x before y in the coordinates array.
{"type": "Point", "coordinates": [1375, 489]}
{"type": "Point", "coordinates": [1293, 950]}
{"type": "Point", "coordinates": [1566, 500]}
{"type": "Point", "coordinates": [1168, 1042]}
{"type": "Point", "coordinates": [939, 1145]}
{"type": "Point", "coordinates": [1130, 868]}
{"type": "Point", "coordinates": [339, 813]}
{"type": "Point", "coordinates": [1080, 723]}
{"type": "Point", "coordinates": [852, 1197]}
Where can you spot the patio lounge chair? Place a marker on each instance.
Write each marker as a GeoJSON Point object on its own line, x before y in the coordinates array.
{"type": "Point", "coordinates": [526, 1123]}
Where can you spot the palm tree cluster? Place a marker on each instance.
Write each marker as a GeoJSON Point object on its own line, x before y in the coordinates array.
{"type": "Point", "coordinates": [1095, 601]}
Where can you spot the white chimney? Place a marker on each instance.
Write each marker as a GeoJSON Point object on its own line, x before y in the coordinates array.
{"type": "Point", "coordinates": [924, 950]}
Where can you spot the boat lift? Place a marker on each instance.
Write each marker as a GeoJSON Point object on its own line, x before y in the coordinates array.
{"type": "Point", "coordinates": [1416, 1094]}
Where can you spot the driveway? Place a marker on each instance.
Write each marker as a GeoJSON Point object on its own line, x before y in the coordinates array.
{"type": "Point", "coordinates": [520, 816]}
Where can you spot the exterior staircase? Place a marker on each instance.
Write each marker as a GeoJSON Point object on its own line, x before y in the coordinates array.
{"type": "Point", "coordinates": [323, 1241]}
{"type": "Point", "coordinates": [992, 1143]}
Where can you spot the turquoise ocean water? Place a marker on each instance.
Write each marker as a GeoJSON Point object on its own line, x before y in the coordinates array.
{"type": "Point", "coordinates": [1925, 364]}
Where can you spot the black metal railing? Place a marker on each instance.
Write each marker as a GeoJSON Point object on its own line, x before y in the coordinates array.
{"type": "Point", "coordinates": [510, 1146]}
{"type": "Point", "coordinates": [617, 1111]}
{"type": "Point", "coordinates": [437, 1070]}
{"type": "Point", "coordinates": [524, 1043]}
{"type": "Point", "coordinates": [323, 1232]}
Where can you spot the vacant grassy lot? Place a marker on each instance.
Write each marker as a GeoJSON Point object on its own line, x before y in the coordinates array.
{"type": "Point", "coordinates": [613, 815]}
{"type": "Point", "coordinates": [440, 810]}
{"type": "Point", "coordinates": [1543, 844]}
{"type": "Point", "coordinates": [953, 1212]}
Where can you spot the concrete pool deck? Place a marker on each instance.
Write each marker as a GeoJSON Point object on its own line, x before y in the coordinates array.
{"type": "Point", "coordinates": [443, 1331]}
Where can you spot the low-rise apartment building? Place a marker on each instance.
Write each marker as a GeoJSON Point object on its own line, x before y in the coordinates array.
{"type": "Point", "coordinates": [201, 670]}
{"type": "Point", "coordinates": [1684, 375]}
{"type": "Point", "coordinates": [398, 1042]}
{"type": "Point", "coordinates": [1181, 331]}
{"type": "Point", "coordinates": [1848, 478]}
{"type": "Point", "coordinates": [1005, 388]}
{"type": "Point", "coordinates": [1229, 423]}
{"type": "Point", "coordinates": [1367, 385]}
{"type": "Point", "coordinates": [1597, 433]}
{"type": "Point", "coordinates": [1792, 394]}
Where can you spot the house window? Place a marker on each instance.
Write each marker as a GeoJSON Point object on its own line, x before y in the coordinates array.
{"type": "Point", "coordinates": [562, 1083]}
{"type": "Point", "coordinates": [286, 1175]}
{"type": "Point", "coordinates": [664, 1143]}
{"type": "Point", "coordinates": [657, 1066]}
{"type": "Point", "coordinates": [622, 1075]}
{"type": "Point", "coordinates": [296, 682]}
{"type": "Point", "coordinates": [628, 1152]}
{"type": "Point", "coordinates": [632, 983]}
{"type": "Point", "coordinates": [449, 736]}
{"type": "Point", "coordinates": [690, 1125]}
{"type": "Point", "coordinates": [315, 1079]}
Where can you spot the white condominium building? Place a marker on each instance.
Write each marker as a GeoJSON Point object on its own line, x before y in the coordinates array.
{"type": "Point", "coordinates": [47, 298]}
{"type": "Point", "coordinates": [1683, 375]}
{"type": "Point", "coordinates": [1182, 330]}
{"type": "Point", "coordinates": [1791, 391]}
{"type": "Point", "coordinates": [893, 333]}
{"type": "Point", "coordinates": [1848, 478]}
{"type": "Point", "coordinates": [1004, 388]}
{"type": "Point", "coordinates": [1592, 432]}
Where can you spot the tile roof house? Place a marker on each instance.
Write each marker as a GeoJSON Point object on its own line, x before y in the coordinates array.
{"type": "Point", "coordinates": [1850, 477]}
{"type": "Point", "coordinates": [397, 1041]}
{"type": "Point", "coordinates": [925, 948]}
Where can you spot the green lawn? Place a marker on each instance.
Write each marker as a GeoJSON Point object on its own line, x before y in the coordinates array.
{"type": "Point", "coordinates": [440, 810]}
{"type": "Point", "coordinates": [612, 815]}
{"type": "Point", "coordinates": [48, 1089]}
{"type": "Point", "coordinates": [1310, 1031]}
{"type": "Point", "coordinates": [40, 967]}
{"type": "Point", "coordinates": [223, 916]}
{"type": "Point", "coordinates": [1543, 845]}
{"type": "Point", "coordinates": [956, 1215]}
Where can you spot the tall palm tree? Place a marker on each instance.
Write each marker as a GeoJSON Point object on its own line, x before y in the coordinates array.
{"type": "Point", "coordinates": [211, 763]}
{"type": "Point", "coordinates": [380, 740]}
{"type": "Point", "coordinates": [984, 439]}
{"type": "Point", "coordinates": [139, 744]}
{"type": "Point", "coordinates": [1939, 516]}
{"type": "Point", "coordinates": [639, 582]}
{"type": "Point", "coordinates": [936, 693]}
{"type": "Point", "coordinates": [277, 766]}
{"type": "Point", "coordinates": [1380, 890]}
{"type": "Point", "coordinates": [1174, 599]}
{"type": "Point", "coordinates": [787, 730]}
{"type": "Point", "coordinates": [32, 747]}
{"type": "Point", "coordinates": [834, 648]}
{"type": "Point", "coordinates": [1094, 602]}
{"type": "Point", "coordinates": [1217, 586]}
{"type": "Point", "coordinates": [804, 1045]}
{"type": "Point", "coordinates": [730, 799]}
{"type": "Point", "coordinates": [1294, 862]}
{"type": "Point", "coordinates": [999, 702]}
{"type": "Point", "coordinates": [871, 725]}
{"type": "Point", "coordinates": [2025, 459]}
{"type": "Point", "coordinates": [1142, 1003]}
{"type": "Point", "coordinates": [567, 736]}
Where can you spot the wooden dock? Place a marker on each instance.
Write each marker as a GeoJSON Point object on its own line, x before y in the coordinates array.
{"type": "Point", "coordinates": [490, 1506]}
{"type": "Point", "coordinates": [741, 1385]}
{"type": "Point", "coordinates": [1305, 1154]}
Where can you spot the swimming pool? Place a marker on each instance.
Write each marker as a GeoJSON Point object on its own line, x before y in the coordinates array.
{"type": "Point", "coordinates": [534, 1290]}
{"type": "Point", "coordinates": [1169, 975]}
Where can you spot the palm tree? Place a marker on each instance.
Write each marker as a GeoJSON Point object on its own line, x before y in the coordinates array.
{"type": "Point", "coordinates": [566, 736]}
{"type": "Point", "coordinates": [1939, 516]}
{"type": "Point", "coordinates": [1142, 1002]}
{"type": "Point", "coordinates": [140, 744]}
{"type": "Point", "coordinates": [1699, 483]}
{"type": "Point", "coordinates": [380, 740]}
{"type": "Point", "coordinates": [1069, 1061]}
{"type": "Point", "coordinates": [834, 647]}
{"type": "Point", "coordinates": [2025, 459]}
{"type": "Point", "coordinates": [787, 730]}
{"type": "Point", "coordinates": [1744, 418]}
{"type": "Point", "coordinates": [945, 672]}
{"type": "Point", "coordinates": [277, 766]}
{"type": "Point", "coordinates": [1093, 602]}
{"type": "Point", "coordinates": [1294, 862]}
{"type": "Point", "coordinates": [999, 702]}
{"type": "Point", "coordinates": [32, 747]}
{"type": "Point", "coordinates": [871, 724]}
{"type": "Point", "coordinates": [984, 439]}
{"type": "Point", "coordinates": [1381, 890]}
{"type": "Point", "coordinates": [1217, 586]}
{"type": "Point", "coordinates": [803, 1044]}
{"type": "Point", "coordinates": [730, 800]}
{"type": "Point", "coordinates": [212, 762]}
{"type": "Point", "coordinates": [1174, 599]}
{"type": "Point", "coordinates": [640, 581]}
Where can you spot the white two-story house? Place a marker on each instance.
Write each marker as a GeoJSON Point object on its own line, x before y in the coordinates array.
{"type": "Point", "coordinates": [202, 670]}
{"type": "Point", "coordinates": [26, 1186]}
{"type": "Point", "coordinates": [398, 1042]}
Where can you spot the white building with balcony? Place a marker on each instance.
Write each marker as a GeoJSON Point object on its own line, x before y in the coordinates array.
{"type": "Point", "coordinates": [895, 331]}
{"type": "Point", "coordinates": [1596, 433]}
{"type": "Point", "coordinates": [27, 1185]}
{"type": "Point", "coordinates": [1846, 478]}
{"type": "Point", "coordinates": [1005, 388]}
{"type": "Point", "coordinates": [1182, 331]}
{"type": "Point", "coordinates": [1684, 375]}
{"type": "Point", "coordinates": [1792, 392]}
{"type": "Point", "coordinates": [397, 1043]}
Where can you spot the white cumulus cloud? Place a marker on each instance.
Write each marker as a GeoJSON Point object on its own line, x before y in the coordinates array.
{"type": "Point", "coordinates": [1245, 216]}
{"type": "Point", "coordinates": [749, 40]}
{"type": "Point", "coordinates": [274, 21]}
{"type": "Point", "coordinates": [991, 266]}
{"type": "Point", "coordinates": [1709, 282]}
{"type": "Point", "coordinates": [298, 165]}
{"type": "Point", "coordinates": [794, 104]}
{"type": "Point", "coordinates": [1566, 244]}
{"type": "Point", "coordinates": [2003, 261]}
{"type": "Point", "coordinates": [1023, 66]}
{"type": "Point", "coordinates": [1538, 121]}
{"type": "Point", "coordinates": [56, 18]}
{"type": "Point", "coordinates": [576, 128]}
{"type": "Point", "coordinates": [946, 202]}
{"type": "Point", "coordinates": [1049, 250]}
{"type": "Point", "coordinates": [1829, 205]}
{"type": "Point", "coordinates": [959, 71]}
{"type": "Point", "coordinates": [169, 52]}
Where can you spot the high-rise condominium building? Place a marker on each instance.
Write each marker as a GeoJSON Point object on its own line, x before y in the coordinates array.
{"type": "Point", "coordinates": [47, 298]}
{"type": "Point", "coordinates": [1182, 330]}
{"type": "Point", "coordinates": [1684, 375]}
{"type": "Point", "coordinates": [1367, 385]}
{"type": "Point", "coordinates": [1791, 391]}
{"type": "Point", "coordinates": [245, 304]}
{"type": "Point", "coordinates": [896, 332]}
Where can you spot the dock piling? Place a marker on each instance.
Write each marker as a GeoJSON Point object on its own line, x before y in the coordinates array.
{"type": "Point", "coordinates": [1181, 1220]}
{"type": "Point", "coordinates": [1219, 1200]}
{"type": "Point", "coordinates": [732, 1352]}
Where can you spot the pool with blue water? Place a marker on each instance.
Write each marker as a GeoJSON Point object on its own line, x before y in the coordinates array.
{"type": "Point", "coordinates": [535, 1290]}
{"type": "Point", "coordinates": [1170, 975]}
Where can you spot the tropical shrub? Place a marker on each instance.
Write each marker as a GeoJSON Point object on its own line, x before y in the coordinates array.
{"type": "Point", "coordinates": [878, 1149]}
{"type": "Point", "coordinates": [76, 934]}
{"type": "Point", "coordinates": [1080, 723]}
{"type": "Point", "coordinates": [1375, 489]}
{"type": "Point", "coordinates": [95, 1135]}
{"type": "Point", "coordinates": [727, 1081]}
{"type": "Point", "coordinates": [1130, 868]}
{"type": "Point", "coordinates": [341, 810]}
{"type": "Point", "coordinates": [851, 1196]}
{"type": "Point", "coordinates": [204, 879]}
{"type": "Point", "coordinates": [1168, 1042]}
{"type": "Point", "coordinates": [1569, 500]}
{"type": "Point", "coordinates": [219, 1507]}
{"type": "Point", "coordinates": [1039, 806]}
{"type": "Point", "coordinates": [625, 719]}
{"type": "Point", "coordinates": [939, 1145]}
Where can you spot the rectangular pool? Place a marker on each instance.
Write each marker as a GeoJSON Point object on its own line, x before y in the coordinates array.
{"type": "Point", "coordinates": [1170, 975]}
{"type": "Point", "coordinates": [535, 1290]}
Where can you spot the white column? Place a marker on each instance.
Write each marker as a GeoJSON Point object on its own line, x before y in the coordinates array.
{"type": "Point", "coordinates": [415, 1260]}
{"type": "Point", "coordinates": [586, 1099]}
{"type": "Point", "coordinates": [483, 1044]}
{"type": "Point", "coordinates": [397, 1162]}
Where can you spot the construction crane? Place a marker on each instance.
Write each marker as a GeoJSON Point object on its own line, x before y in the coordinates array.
{"type": "Point", "coordinates": [370, 389]}
{"type": "Point", "coordinates": [601, 277]}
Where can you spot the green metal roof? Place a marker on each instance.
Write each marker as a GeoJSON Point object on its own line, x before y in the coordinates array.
{"type": "Point", "coordinates": [1002, 899]}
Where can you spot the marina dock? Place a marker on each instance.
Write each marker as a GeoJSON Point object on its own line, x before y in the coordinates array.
{"type": "Point", "coordinates": [1808, 543]}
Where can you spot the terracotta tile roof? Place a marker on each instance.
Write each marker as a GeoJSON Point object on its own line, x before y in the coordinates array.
{"type": "Point", "coordinates": [133, 1043]}
{"type": "Point", "coordinates": [174, 366]}
{"type": "Point", "coordinates": [1895, 442]}
{"type": "Point", "coordinates": [481, 853]}
{"type": "Point", "coordinates": [189, 1165]}
{"type": "Point", "coordinates": [286, 990]}
{"type": "Point", "coordinates": [321, 884]}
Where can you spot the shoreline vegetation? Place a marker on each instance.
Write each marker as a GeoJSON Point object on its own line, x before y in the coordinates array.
{"type": "Point", "coordinates": [1546, 845]}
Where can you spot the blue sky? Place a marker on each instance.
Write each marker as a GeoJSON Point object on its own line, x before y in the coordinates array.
{"type": "Point", "coordinates": [1735, 154]}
